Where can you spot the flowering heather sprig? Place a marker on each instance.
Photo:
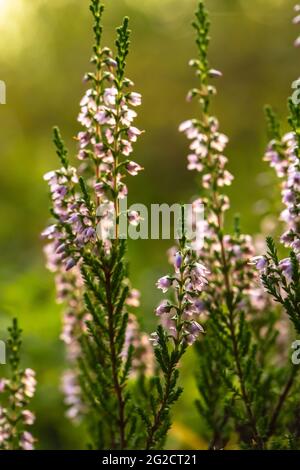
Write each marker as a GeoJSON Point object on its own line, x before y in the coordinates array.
{"type": "Point", "coordinates": [180, 320]}
{"type": "Point", "coordinates": [16, 393]}
{"type": "Point", "coordinates": [280, 277]}
{"type": "Point", "coordinates": [229, 353]}
{"type": "Point", "coordinates": [70, 386]}
{"type": "Point", "coordinates": [68, 280]}
{"type": "Point", "coordinates": [179, 328]}
{"type": "Point", "coordinates": [85, 206]}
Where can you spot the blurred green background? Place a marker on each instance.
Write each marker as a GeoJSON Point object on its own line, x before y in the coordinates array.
{"type": "Point", "coordinates": [44, 52]}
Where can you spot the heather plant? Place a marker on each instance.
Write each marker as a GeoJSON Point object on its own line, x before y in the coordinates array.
{"type": "Point", "coordinates": [179, 328]}
{"type": "Point", "coordinates": [16, 393]}
{"type": "Point", "coordinates": [280, 277]}
{"type": "Point", "coordinates": [236, 395]}
{"type": "Point", "coordinates": [87, 253]}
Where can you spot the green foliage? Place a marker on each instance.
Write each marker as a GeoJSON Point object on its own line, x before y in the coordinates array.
{"type": "Point", "coordinates": [61, 150]}
{"type": "Point", "coordinates": [122, 43]}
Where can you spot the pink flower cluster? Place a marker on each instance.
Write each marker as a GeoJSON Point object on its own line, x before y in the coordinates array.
{"type": "Point", "coordinates": [107, 116]}
{"type": "Point", "coordinates": [181, 315]}
{"type": "Point", "coordinates": [283, 157]}
{"type": "Point", "coordinates": [70, 211]}
{"type": "Point", "coordinates": [296, 21]}
{"type": "Point", "coordinates": [143, 358]}
{"type": "Point", "coordinates": [207, 148]}
{"type": "Point", "coordinates": [73, 395]}
{"type": "Point", "coordinates": [15, 417]}
{"type": "Point", "coordinates": [220, 252]}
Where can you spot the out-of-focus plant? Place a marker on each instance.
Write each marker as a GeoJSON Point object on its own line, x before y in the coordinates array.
{"type": "Point", "coordinates": [235, 394]}
{"type": "Point", "coordinates": [16, 393]}
{"type": "Point", "coordinates": [280, 277]}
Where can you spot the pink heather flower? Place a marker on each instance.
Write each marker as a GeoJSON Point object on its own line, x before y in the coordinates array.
{"type": "Point", "coordinates": [103, 116]}
{"type": "Point", "coordinates": [296, 245]}
{"type": "Point", "coordinates": [3, 383]}
{"type": "Point", "coordinates": [133, 133]}
{"type": "Point", "coordinates": [219, 142]}
{"type": "Point", "coordinates": [287, 238]}
{"type": "Point", "coordinates": [29, 382]}
{"type": "Point", "coordinates": [201, 270]}
{"type": "Point", "coordinates": [296, 20]}
{"type": "Point", "coordinates": [28, 417]}
{"type": "Point", "coordinates": [206, 180]}
{"type": "Point", "coordinates": [193, 163]}
{"type": "Point", "coordinates": [178, 260]}
{"type": "Point", "coordinates": [82, 155]}
{"type": "Point", "coordinates": [293, 178]}
{"type": "Point", "coordinates": [191, 94]}
{"type": "Point", "coordinates": [164, 283]}
{"type": "Point", "coordinates": [135, 99]}
{"type": "Point", "coordinates": [260, 262]}
{"type": "Point", "coordinates": [70, 263]}
{"type": "Point", "coordinates": [111, 62]}
{"type": "Point", "coordinates": [258, 299]}
{"type": "Point", "coordinates": [27, 441]}
{"type": "Point", "coordinates": [133, 299]}
{"type": "Point", "coordinates": [126, 147]}
{"type": "Point", "coordinates": [128, 116]}
{"type": "Point", "coordinates": [123, 190]}
{"type": "Point", "coordinates": [134, 218]}
{"type": "Point", "coordinates": [186, 125]}
{"type": "Point", "coordinates": [133, 168]}
{"type": "Point", "coordinates": [198, 276]}
{"type": "Point", "coordinates": [110, 95]}
{"type": "Point", "coordinates": [163, 307]}
{"type": "Point", "coordinates": [226, 179]}
{"type": "Point", "coordinates": [84, 139]}
{"type": "Point", "coordinates": [288, 197]}
{"type": "Point", "coordinates": [193, 330]}
{"type": "Point", "coordinates": [213, 73]}
{"type": "Point", "coordinates": [50, 232]}
{"type": "Point", "coordinates": [197, 306]}
{"type": "Point", "coordinates": [297, 42]}
{"type": "Point", "coordinates": [171, 253]}
{"type": "Point", "coordinates": [199, 147]}
{"type": "Point", "coordinates": [49, 176]}
{"type": "Point", "coordinates": [286, 267]}
{"type": "Point", "coordinates": [99, 189]}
